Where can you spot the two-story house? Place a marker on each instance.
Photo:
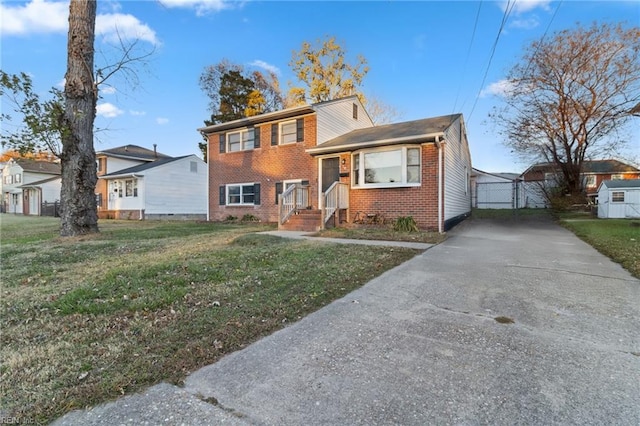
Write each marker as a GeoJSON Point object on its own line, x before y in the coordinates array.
{"type": "Point", "coordinates": [329, 162]}
{"type": "Point", "coordinates": [27, 184]}
{"type": "Point", "coordinates": [138, 183]}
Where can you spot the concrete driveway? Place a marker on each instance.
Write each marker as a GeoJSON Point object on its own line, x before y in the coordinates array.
{"type": "Point", "coordinates": [421, 345]}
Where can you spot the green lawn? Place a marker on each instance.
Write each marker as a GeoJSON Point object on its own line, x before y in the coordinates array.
{"type": "Point", "coordinates": [87, 319]}
{"type": "Point", "coordinates": [618, 239]}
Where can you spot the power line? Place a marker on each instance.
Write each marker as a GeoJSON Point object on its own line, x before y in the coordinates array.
{"type": "Point", "coordinates": [505, 17]}
{"type": "Point", "coordinates": [466, 61]}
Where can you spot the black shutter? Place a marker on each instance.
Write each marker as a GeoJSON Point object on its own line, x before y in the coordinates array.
{"type": "Point", "coordinates": [223, 143]}
{"type": "Point", "coordinates": [256, 194]}
{"type": "Point", "coordinates": [256, 137]}
{"type": "Point", "coordinates": [274, 134]}
{"type": "Point", "coordinates": [300, 130]}
{"type": "Point", "coordinates": [223, 195]}
{"type": "Point", "coordinates": [278, 190]}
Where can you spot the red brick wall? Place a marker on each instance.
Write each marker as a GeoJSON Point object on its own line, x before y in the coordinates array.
{"type": "Point", "coordinates": [265, 165]}
{"type": "Point", "coordinates": [419, 202]}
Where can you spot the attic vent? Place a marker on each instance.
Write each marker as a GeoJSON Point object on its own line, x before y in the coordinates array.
{"type": "Point", "coordinates": [355, 111]}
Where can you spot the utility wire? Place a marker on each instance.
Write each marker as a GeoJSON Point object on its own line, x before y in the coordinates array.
{"type": "Point", "coordinates": [466, 61]}
{"type": "Point", "coordinates": [505, 17]}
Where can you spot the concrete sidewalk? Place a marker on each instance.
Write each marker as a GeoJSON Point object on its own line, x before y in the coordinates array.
{"type": "Point", "coordinates": [308, 235]}
{"type": "Point", "coordinates": [501, 324]}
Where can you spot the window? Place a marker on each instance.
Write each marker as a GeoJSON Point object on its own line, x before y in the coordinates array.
{"type": "Point", "coordinates": [386, 168]}
{"type": "Point", "coordinates": [241, 194]}
{"type": "Point", "coordinates": [617, 197]}
{"type": "Point", "coordinates": [193, 166]}
{"type": "Point", "coordinates": [590, 181]}
{"type": "Point", "coordinates": [617, 177]}
{"type": "Point", "coordinates": [18, 178]}
{"type": "Point", "coordinates": [131, 188]}
{"type": "Point", "coordinates": [288, 132]}
{"type": "Point", "coordinates": [240, 141]}
{"type": "Point", "coordinates": [9, 179]}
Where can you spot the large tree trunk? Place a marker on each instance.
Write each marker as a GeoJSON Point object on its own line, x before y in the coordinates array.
{"type": "Point", "coordinates": [79, 175]}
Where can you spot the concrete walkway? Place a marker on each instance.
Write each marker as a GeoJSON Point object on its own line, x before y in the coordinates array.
{"type": "Point", "coordinates": [502, 324]}
{"type": "Point", "coordinates": [308, 235]}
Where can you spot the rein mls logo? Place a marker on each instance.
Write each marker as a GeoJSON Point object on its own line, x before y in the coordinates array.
{"type": "Point", "coordinates": [16, 421]}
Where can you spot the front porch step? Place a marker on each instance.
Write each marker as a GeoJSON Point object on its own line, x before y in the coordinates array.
{"type": "Point", "coordinates": [303, 220]}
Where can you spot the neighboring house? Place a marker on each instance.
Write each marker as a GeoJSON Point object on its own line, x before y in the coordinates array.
{"type": "Point", "coordinates": [328, 162]}
{"type": "Point", "coordinates": [619, 199]}
{"type": "Point", "coordinates": [594, 172]}
{"type": "Point", "coordinates": [120, 158]}
{"type": "Point", "coordinates": [494, 190]}
{"type": "Point", "coordinates": [27, 184]}
{"type": "Point", "coordinates": [167, 188]}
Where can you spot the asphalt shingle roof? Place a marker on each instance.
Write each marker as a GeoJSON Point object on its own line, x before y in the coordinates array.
{"type": "Point", "coordinates": [134, 151]}
{"type": "Point", "coordinates": [389, 132]}
{"type": "Point", "coordinates": [145, 166]}
{"type": "Point", "coordinates": [35, 166]}
{"type": "Point", "coordinates": [622, 183]}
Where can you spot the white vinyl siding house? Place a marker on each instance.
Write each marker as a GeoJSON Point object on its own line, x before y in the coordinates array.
{"type": "Point", "coordinates": [336, 118]}
{"type": "Point", "coordinates": [172, 188]}
{"type": "Point", "coordinates": [28, 183]}
{"type": "Point", "coordinates": [619, 199]}
{"type": "Point", "coordinates": [457, 172]}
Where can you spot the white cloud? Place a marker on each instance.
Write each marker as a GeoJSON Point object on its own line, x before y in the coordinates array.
{"type": "Point", "coordinates": [43, 17]}
{"type": "Point", "coordinates": [137, 113]}
{"type": "Point", "coordinates": [108, 110]}
{"type": "Point", "coordinates": [162, 120]}
{"type": "Point", "coordinates": [525, 24]}
{"type": "Point", "coordinates": [522, 6]}
{"type": "Point", "coordinates": [115, 26]}
{"type": "Point", "coordinates": [108, 90]}
{"type": "Point", "coordinates": [500, 88]}
{"type": "Point", "coordinates": [202, 7]}
{"type": "Point", "coordinates": [266, 66]}
{"type": "Point", "coordinates": [37, 16]}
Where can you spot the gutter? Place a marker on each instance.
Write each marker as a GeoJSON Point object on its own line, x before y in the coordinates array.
{"type": "Point", "coordinates": [374, 143]}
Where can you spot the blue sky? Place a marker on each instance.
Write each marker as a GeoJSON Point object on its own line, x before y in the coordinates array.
{"type": "Point", "coordinates": [426, 58]}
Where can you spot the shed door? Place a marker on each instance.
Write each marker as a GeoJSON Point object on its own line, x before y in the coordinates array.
{"type": "Point", "coordinates": [330, 172]}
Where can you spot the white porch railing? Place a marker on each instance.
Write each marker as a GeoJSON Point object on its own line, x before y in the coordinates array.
{"type": "Point", "coordinates": [294, 197]}
{"type": "Point", "coordinates": [335, 198]}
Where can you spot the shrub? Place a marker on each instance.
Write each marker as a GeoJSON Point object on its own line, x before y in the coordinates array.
{"type": "Point", "coordinates": [230, 218]}
{"type": "Point", "coordinates": [405, 224]}
{"type": "Point", "coordinates": [250, 218]}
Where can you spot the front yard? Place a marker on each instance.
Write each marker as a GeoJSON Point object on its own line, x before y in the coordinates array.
{"type": "Point", "coordinates": [88, 319]}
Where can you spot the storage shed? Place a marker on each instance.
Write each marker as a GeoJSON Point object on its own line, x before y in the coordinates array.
{"type": "Point", "coordinates": [619, 199]}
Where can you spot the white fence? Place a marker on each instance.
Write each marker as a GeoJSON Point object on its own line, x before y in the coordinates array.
{"type": "Point", "coordinates": [508, 195]}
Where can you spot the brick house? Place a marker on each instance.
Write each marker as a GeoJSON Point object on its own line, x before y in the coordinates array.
{"type": "Point", "coordinates": [321, 164]}
{"type": "Point", "coordinates": [594, 172]}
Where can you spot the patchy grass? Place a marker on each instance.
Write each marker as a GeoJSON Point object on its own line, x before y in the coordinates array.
{"type": "Point", "coordinates": [85, 320]}
{"type": "Point", "coordinates": [618, 239]}
{"type": "Point", "coordinates": [381, 232]}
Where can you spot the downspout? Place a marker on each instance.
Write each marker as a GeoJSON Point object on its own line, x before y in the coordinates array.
{"type": "Point", "coordinates": [206, 160]}
{"type": "Point", "coordinates": [440, 185]}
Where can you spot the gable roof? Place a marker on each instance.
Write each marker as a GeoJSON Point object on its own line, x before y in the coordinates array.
{"type": "Point", "coordinates": [142, 167]}
{"type": "Point", "coordinates": [35, 166]}
{"type": "Point", "coordinates": [508, 176]}
{"type": "Point", "coordinates": [133, 152]}
{"type": "Point", "coordinates": [622, 183]}
{"type": "Point", "coordinates": [425, 130]}
{"type": "Point", "coordinates": [275, 115]}
{"type": "Point", "coordinates": [590, 166]}
{"type": "Point", "coordinates": [40, 182]}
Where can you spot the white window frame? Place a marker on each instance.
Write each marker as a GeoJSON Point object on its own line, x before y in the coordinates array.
{"type": "Point", "coordinates": [18, 178]}
{"type": "Point", "coordinates": [245, 136]}
{"type": "Point", "coordinates": [281, 133]}
{"type": "Point", "coordinates": [590, 181]}
{"type": "Point", "coordinates": [404, 167]}
{"type": "Point", "coordinates": [242, 195]}
{"type": "Point", "coordinates": [617, 176]}
{"type": "Point", "coordinates": [616, 193]}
